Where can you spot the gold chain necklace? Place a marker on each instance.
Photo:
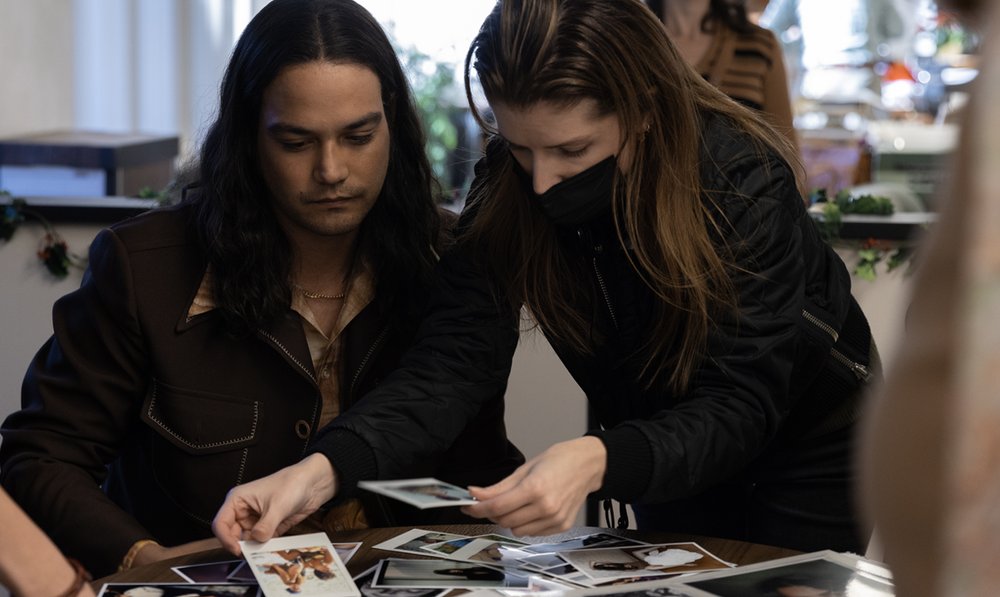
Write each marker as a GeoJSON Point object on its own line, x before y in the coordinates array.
{"type": "Point", "coordinates": [317, 295]}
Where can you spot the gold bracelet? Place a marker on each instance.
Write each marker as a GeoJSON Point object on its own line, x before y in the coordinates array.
{"type": "Point", "coordinates": [82, 577]}
{"type": "Point", "coordinates": [133, 551]}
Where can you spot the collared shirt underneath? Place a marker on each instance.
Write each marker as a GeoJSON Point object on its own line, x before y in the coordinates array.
{"type": "Point", "coordinates": [325, 352]}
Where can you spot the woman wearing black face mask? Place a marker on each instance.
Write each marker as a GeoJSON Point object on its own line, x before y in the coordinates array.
{"type": "Point", "coordinates": [653, 229]}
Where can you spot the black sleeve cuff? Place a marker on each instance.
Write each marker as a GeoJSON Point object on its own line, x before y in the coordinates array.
{"type": "Point", "coordinates": [629, 466]}
{"type": "Point", "coordinates": [352, 458]}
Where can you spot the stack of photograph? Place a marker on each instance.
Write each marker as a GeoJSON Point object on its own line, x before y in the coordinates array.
{"type": "Point", "coordinates": [606, 564]}
{"type": "Point", "coordinates": [432, 563]}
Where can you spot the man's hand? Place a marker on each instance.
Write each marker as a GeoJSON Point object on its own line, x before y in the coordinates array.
{"type": "Point", "coordinates": [271, 505]}
{"type": "Point", "coordinates": [543, 496]}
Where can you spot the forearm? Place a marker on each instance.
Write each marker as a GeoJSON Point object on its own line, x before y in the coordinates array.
{"type": "Point", "coordinates": [679, 453]}
{"type": "Point", "coordinates": [76, 513]}
{"type": "Point", "coordinates": [30, 564]}
{"type": "Point", "coordinates": [349, 456]}
{"type": "Point", "coordinates": [460, 362]}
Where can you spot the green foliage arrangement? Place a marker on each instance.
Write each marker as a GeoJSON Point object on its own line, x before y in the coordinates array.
{"type": "Point", "coordinates": [871, 252]}
{"type": "Point", "coordinates": [431, 81]}
{"type": "Point", "coordinates": [52, 251]}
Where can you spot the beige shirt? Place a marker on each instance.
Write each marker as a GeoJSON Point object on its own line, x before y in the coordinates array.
{"type": "Point", "coordinates": [324, 350]}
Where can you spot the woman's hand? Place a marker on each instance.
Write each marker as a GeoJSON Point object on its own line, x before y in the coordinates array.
{"type": "Point", "coordinates": [273, 504]}
{"type": "Point", "coordinates": [543, 496]}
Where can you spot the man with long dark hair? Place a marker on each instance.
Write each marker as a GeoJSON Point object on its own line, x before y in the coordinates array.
{"type": "Point", "coordinates": [210, 341]}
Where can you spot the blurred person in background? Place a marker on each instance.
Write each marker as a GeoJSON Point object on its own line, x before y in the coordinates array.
{"type": "Point", "coordinates": [742, 59]}
{"type": "Point", "coordinates": [931, 451]}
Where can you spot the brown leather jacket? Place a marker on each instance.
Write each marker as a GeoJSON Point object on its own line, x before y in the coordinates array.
{"type": "Point", "coordinates": [168, 412]}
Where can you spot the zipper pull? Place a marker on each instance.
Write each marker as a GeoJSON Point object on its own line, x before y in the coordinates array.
{"type": "Point", "coordinates": [861, 372]}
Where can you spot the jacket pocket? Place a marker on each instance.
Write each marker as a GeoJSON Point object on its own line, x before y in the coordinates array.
{"type": "Point", "coordinates": [201, 422]}
{"type": "Point", "coordinates": [200, 446]}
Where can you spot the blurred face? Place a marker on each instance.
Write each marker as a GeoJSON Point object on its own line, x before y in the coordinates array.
{"type": "Point", "coordinates": [323, 147]}
{"type": "Point", "coordinates": [553, 142]}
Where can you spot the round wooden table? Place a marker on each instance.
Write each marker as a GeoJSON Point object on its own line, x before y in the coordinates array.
{"type": "Point", "coordinates": [737, 552]}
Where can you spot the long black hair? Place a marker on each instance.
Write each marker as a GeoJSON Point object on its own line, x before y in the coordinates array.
{"type": "Point", "coordinates": [248, 253]}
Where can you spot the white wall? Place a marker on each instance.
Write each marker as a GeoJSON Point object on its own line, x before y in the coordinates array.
{"type": "Point", "coordinates": [884, 301]}
{"type": "Point", "coordinates": [544, 404]}
{"type": "Point", "coordinates": [26, 301]}
{"type": "Point", "coordinates": [36, 66]}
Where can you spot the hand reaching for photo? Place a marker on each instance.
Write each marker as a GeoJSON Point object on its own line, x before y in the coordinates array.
{"type": "Point", "coordinates": [544, 495]}
{"type": "Point", "coordinates": [271, 505]}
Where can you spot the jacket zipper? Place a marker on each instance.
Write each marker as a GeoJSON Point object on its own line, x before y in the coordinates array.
{"type": "Point", "coordinates": [859, 370]}
{"type": "Point", "coordinates": [584, 235]}
{"type": "Point", "coordinates": [816, 321]}
{"type": "Point", "coordinates": [604, 289]}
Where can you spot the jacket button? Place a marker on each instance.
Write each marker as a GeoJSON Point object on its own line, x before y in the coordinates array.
{"type": "Point", "coordinates": [302, 429]}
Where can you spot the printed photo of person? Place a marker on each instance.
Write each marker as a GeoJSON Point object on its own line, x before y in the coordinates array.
{"type": "Point", "coordinates": [415, 540]}
{"type": "Point", "coordinates": [364, 583]}
{"type": "Point", "coordinates": [299, 565]}
{"type": "Point", "coordinates": [438, 490]}
{"type": "Point", "coordinates": [444, 574]}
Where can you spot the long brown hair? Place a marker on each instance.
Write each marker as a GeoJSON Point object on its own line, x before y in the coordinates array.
{"type": "Point", "coordinates": [618, 55]}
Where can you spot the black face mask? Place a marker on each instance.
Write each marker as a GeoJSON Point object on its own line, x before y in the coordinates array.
{"type": "Point", "coordinates": [578, 199]}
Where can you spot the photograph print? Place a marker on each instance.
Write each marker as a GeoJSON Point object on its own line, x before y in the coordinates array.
{"type": "Point", "coordinates": [364, 583]}
{"type": "Point", "coordinates": [415, 540]}
{"type": "Point", "coordinates": [209, 572]}
{"type": "Point", "coordinates": [421, 493]}
{"type": "Point", "coordinates": [299, 564]}
{"type": "Point", "coordinates": [447, 548]}
{"type": "Point", "coordinates": [647, 560]}
{"type": "Point", "coordinates": [591, 541]}
{"type": "Point", "coordinates": [178, 590]}
{"type": "Point", "coordinates": [444, 574]}
{"type": "Point", "coordinates": [825, 573]}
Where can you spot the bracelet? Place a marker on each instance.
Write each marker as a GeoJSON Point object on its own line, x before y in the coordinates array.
{"type": "Point", "coordinates": [133, 551]}
{"type": "Point", "coordinates": [82, 577]}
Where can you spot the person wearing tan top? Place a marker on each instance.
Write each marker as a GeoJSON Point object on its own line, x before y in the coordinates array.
{"type": "Point", "coordinates": [742, 59]}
